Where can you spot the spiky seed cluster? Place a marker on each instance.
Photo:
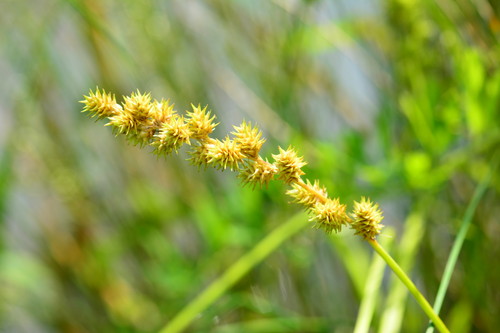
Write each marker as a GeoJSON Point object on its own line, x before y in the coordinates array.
{"type": "Point", "coordinates": [307, 196]}
{"type": "Point", "coordinates": [289, 165]}
{"type": "Point", "coordinates": [138, 105]}
{"type": "Point", "coordinates": [100, 104]}
{"type": "Point", "coordinates": [135, 118]}
{"type": "Point", "coordinates": [249, 138]}
{"type": "Point", "coordinates": [161, 111]}
{"type": "Point", "coordinates": [329, 216]}
{"type": "Point", "coordinates": [133, 115]}
{"type": "Point", "coordinates": [258, 171]}
{"type": "Point", "coordinates": [224, 154]}
{"type": "Point", "coordinates": [172, 135]}
{"type": "Point", "coordinates": [156, 123]}
{"type": "Point", "coordinates": [366, 219]}
{"type": "Point", "coordinates": [199, 156]}
{"type": "Point", "coordinates": [200, 122]}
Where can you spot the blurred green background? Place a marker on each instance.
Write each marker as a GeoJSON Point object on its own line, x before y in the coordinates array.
{"type": "Point", "coordinates": [396, 100]}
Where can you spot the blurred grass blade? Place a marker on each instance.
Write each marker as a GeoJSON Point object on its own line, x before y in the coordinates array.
{"type": "Point", "coordinates": [392, 315]}
{"type": "Point", "coordinates": [459, 240]}
{"type": "Point", "coordinates": [371, 292]}
{"type": "Point", "coordinates": [265, 247]}
{"type": "Point", "coordinates": [275, 325]}
{"type": "Point", "coordinates": [355, 259]}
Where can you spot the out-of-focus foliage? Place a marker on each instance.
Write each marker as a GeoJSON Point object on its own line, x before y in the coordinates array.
{"type": "Point", "coordinates": [396, 100]}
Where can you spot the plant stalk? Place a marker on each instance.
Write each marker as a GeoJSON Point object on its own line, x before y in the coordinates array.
{"type": "Point", "coordinates": [438, 323]}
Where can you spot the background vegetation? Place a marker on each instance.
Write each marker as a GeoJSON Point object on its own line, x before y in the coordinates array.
{"type": "Point", "coordinates": [397, 100]}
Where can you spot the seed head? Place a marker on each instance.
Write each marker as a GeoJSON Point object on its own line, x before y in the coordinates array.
{"type": "Point", "coordinates": [224, 154]}
{"type": "Point", "coordinates": [100, 104]}
{"type": "Point", "coordinates": [138, 105]}
{"type": "Point", "coordinates": [200, 122]}
{"type": "Point", "coordinates": [199, 155]}
{"type": "Point", "coordinates": [249, 138]}
{"type": "Point", "coordinates": [366, 219]}
{"type": "Point", "coordinates": [133, 117]}
{"type": "Point", "coordinates": [161, 111]}
{"type": "Point", "coordinates": [123, 123]}
{"type": "Point", "coordinates": [289, 165]}
{"type": "Point", "coordinates": [258, 171]}
{"type": "Point", "coordinates": [305, 197]}
{"type": "Point", "coordinates": [329, 216]}
{"type": "Point", "coordinates": [172, 135]}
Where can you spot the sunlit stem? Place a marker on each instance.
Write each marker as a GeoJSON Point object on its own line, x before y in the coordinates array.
{"type": "Point", "coordinates": [438, 323]}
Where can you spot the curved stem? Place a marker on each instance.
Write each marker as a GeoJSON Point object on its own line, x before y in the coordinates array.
{"type": "Point", "coordinates": [438, 323]}
{"type": "Point", "coordinates": [424, 304]}
{"type": "Point", "coordinates": [266, 246]}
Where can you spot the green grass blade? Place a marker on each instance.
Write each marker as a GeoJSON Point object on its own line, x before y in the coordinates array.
{"type": "Point", "coordinates": [371, 292]}
{"type": "Point", "coordinates": [355, 259]}
{"type": "Point", "coordinates": [393, 310]}
{"type": "Point", "coordinates": [265, 247]}
{"type": "Point", "coordinates": [457, 245]}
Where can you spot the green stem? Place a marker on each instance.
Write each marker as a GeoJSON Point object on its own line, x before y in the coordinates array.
{"type": "Point", "coordinates": [438, 323]}
{"type": "Point", "coordinates": [266, 246]}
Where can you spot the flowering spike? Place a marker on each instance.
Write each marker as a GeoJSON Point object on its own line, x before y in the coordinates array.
{"type": "Point", "coordinates": [172, 135]}
{"type": "Point", "coordinates": [258, 171]}
{"type": "Point", "coordinates": [289, 165]}
{"type": "Point", "coordinates": [123, 123]}
{"type": "Point", "coordinates": [161, 111]}
{"type": "Point", "coordinates": [329, 216]}
{"type": "Point", "coordinates": [100, 104]}
{"type": "Point", "coordinates": [156, 123]}
{"type": "Point", "coordinates": [249, 138]}
{"type": "Point", "coordinates": [199, 156]}
{"type": "Point", "coordinates": [133, 119]}
{"type": "Point", "coordinates": [224, 154]}
{"type": "Point", "coordinates": [306, 197]}
{"type": "Point", "coordinates": [366, 219]}
{"type": "Point", "coordinates": [200, 122]}
{"type": "Point", "coordinates": [138, 105]}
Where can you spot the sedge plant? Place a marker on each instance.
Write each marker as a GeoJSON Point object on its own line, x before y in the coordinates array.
{"type": "Point", "coordinates": [155, 123]}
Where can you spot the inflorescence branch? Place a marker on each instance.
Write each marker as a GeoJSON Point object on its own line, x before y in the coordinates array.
{"type": "Point", "coordinates": [155, 123]}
